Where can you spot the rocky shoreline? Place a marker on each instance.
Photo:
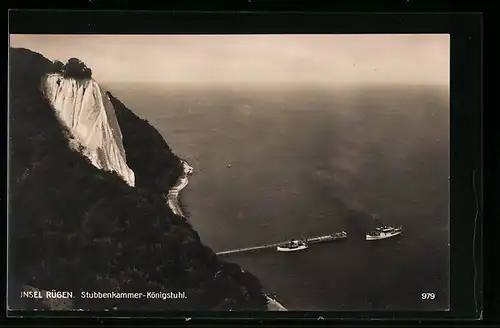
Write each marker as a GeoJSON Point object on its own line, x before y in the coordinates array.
{"type": "Point", "coordinates": [182, 182]}
{"type": "Point", "coordinates": [274, 305]}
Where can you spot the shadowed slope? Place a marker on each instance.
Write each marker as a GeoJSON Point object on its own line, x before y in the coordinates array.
{"type": "Point", "coordinates": [163, 174]}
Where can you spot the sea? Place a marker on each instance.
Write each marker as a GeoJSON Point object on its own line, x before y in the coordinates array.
{"type": "Point", "coordinates": [277, 162]}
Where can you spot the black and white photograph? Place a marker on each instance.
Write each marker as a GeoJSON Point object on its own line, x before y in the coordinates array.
{"type": "Point", "coordinates": [229, 172]}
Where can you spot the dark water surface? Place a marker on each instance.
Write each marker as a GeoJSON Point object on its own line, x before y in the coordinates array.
{"type": "Point", "coordinates": [314, 161]}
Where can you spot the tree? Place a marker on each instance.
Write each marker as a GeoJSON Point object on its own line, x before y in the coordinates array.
{"type": "Point", "coordinates": [57, 66]}
{"type": "Point", "coordinates": [76, 69]}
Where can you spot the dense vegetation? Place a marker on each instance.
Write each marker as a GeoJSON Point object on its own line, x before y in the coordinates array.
{"type": "Point", "coordinates": [136, 131]}
{"type": "Point", "coordinates": [74, 227]}
{"type": "Point", "coordinates": [74, 68]}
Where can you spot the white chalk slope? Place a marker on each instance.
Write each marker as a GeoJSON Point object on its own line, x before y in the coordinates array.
{"type": "Point", "coordinates": [85, 109]}
{"type": "Point", "coordinates": [182, 182]}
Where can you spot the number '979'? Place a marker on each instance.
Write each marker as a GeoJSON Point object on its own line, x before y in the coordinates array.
{"type": "Point", "coordinates": [428, 296]}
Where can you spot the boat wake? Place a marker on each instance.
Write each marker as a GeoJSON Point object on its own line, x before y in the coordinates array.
{"type": "Point", "coordinates": [182, 182]}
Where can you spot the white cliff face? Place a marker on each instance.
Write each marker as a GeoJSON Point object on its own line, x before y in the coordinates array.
{"type": "Point", "coordinates": [85, 109]}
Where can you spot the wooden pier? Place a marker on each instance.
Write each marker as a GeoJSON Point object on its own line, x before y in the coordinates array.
{"type": "Point", "coordinates": [312, 240]}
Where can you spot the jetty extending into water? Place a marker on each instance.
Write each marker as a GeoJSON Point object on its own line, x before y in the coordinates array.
{"type": "Point", "coordinates": [312, 240]}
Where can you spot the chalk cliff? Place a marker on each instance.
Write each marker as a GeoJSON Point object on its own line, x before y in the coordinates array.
{"type": "Point", "coordinates": [75, 224]}
{"type": "Point", "coordinates": [85, 109]}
